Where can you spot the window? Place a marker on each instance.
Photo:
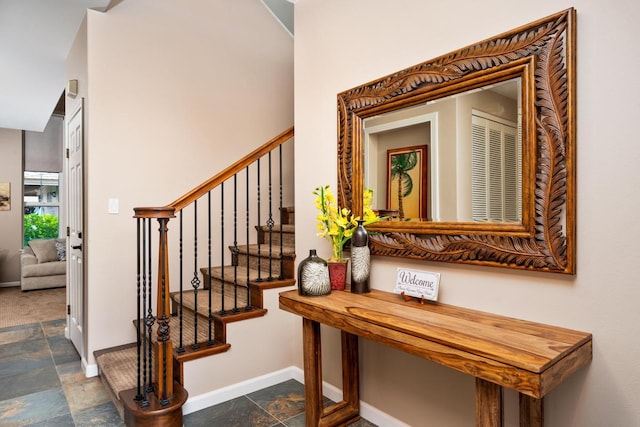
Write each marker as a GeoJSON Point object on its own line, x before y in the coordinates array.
{"type": "Point", "coordinates": [496, 169]}
{"type": "Point", "coordinates": [41, 205]}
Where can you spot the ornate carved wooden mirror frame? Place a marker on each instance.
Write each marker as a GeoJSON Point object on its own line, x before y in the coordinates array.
{"type": "Point", "coordinates": [542, 54]}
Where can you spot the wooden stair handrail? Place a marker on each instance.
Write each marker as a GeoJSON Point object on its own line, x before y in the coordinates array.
{"type": "Point", "coordinates": [158, 212]}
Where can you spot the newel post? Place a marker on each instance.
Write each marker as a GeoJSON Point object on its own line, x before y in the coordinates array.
{"type": "Point", "coordinates": [163, 348]}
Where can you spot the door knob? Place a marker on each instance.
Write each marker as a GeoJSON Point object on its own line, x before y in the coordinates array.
{"type": "Point", "coordinates": [77, 247]}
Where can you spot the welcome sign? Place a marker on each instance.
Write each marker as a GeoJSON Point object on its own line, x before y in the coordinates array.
{"type": "Point", "coordinates": [418, 284]}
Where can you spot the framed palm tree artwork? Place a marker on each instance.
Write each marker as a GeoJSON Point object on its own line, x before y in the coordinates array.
{"type": "Point", "coordinates": [407, 181]}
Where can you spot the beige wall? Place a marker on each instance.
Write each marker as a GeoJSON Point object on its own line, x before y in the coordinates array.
{"type": "Point", "coordinates": [341, 44]}
{"type": "Point", "coordinates": [175, 93]}
{"type": "Point", "coordinates": [11, 220]}
{"type": "Point", "coordinates": [76, 69]}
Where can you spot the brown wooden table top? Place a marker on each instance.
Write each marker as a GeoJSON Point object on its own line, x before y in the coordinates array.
{"type": "Point", "coordinates": [529, 357]}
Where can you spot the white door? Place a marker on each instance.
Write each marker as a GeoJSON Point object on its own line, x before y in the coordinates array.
{"type": "Point", "coordinates": [75, 293]}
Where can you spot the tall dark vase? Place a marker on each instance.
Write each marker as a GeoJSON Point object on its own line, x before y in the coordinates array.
{"type": "Point", "coordinates": [313, 276]}
{"type": "Point", "coordinates": [360, 260]}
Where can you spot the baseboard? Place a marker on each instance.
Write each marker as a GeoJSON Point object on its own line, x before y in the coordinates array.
{"type": "Point", "coordinates": [379, 418]}
{"type": "Point", "coordinates": [224, 394]}
{"type": "Point", "coordinates": [9, 284]}
{"type": "Point", "coordinates": [89, 370]}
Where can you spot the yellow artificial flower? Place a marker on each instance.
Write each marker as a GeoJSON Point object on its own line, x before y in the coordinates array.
{"type": "Point", "coordinates": [337, 224]}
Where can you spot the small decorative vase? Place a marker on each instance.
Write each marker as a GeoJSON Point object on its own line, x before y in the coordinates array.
{"type": "Point", "coordinates": [360, 260]}
{"type": "Point", "coordinates": [313, 276]}
{"type": "Point", "coordinates": [338, 274]}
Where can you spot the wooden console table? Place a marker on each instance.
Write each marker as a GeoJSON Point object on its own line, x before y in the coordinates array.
{"type": "Point", "coordinates": [528, 357]}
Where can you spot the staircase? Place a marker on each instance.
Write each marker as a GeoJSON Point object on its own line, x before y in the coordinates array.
{"type": "Point", "coordinates": [145, 378]}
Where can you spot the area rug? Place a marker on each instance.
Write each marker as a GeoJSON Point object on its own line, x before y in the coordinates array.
{"type": "Point", "coordinates": [20, 308]}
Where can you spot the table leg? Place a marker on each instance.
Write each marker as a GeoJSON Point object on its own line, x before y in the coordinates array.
{"type": "Point", "coordinates": [531, 411]}
{"type": "Point", "coordinates": [342, 413]}
{"type": "Point", "coordinates": [350, 371]}
{"type": "Point", "coordinates": [312, 371]}
{"type": "Point", "coordinates": [488, 404]}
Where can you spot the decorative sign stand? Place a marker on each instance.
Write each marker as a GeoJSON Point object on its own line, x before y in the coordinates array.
{"type": "Point", "coordinates": [417, 284]}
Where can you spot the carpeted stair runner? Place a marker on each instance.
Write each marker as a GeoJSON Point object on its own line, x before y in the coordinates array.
{"type": "Point", "coordinates": [118, 372]}
{"type": "Point", "coordinates": [118, 367]}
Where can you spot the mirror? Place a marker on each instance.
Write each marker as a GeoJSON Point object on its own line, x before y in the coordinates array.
{"type": "Point", "coordinates": [470, 155]}
{"type": "Point", "coordinates": [454, 159]}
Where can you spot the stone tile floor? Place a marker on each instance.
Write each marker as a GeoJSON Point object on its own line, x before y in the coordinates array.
{"type": "Point", "coordinates": [42, 384]}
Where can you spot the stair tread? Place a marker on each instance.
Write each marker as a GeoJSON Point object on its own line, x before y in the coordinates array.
{"type": "Point", "coordinates": [263, 250]}
{"type": "Point", "coordinates": [188, 301]}
{"type": "Point", "coordinates": [118, 368]}
{"type": "Point", "coordinates": [286, 228]}
{"type": "Point", "coordinates": [188, 330]}
{"type": "Point", "coordinates": [230, 275]}
{"type": "Point", "coordinates": [188, 297]}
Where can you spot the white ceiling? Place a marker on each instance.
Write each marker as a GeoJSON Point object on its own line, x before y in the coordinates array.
{"type": "Point", "coordinates": [35, 38]}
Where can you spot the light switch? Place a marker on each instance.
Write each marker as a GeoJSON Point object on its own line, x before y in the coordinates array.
{"type": "Point", "coordinates": [114, 206]}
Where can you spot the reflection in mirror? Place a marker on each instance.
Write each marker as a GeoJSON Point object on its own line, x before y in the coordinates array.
{"type": "Point", "coordinates": [454, 159]}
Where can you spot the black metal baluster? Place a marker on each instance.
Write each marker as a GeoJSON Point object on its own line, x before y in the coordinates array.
{"type": "Point", "coordinates": [248, 307]}
{"type": "Point", "coordinates": [150, 319]}
{"type": "Point", "coordinates": [281, 277]}
{"type": "Point", "coordinates": [270, 224]}
{"type": "Point", "coordinates": [235, 243]}
{"type": "Point", "coordinates": [195, 281]}
{"type": "Point", "coordinates": [222, 310]}
{"type": "Point", "coordinates": [210, 316]}
{"type": "Point", "coordinates": [180, 348]}
{"type": "Point", "coordinates": [138, 320]}
{"type": "Point", "coordinates": [143, 320]}
{"type": "Point", "coordinates": [260, 233]}
{"type": "Point", "coordinates": [165, 399]}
